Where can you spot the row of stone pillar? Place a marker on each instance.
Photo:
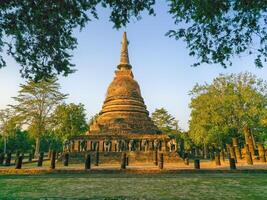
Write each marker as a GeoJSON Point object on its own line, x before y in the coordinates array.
{"type": "Point", "coordinates": [235, 153]}
{"type": "Point", "coordinates": [5, 159]}
{"type": "Point", "coordinates": [20, 157]}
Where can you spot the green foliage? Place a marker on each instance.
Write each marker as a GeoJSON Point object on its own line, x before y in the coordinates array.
{"type": "Point", "coordinates": [8, 123]}
{"type": "Point", "coordinates": [165, 121]}
{"type": "Point", "coordinates": [39, 34]}
{"type": "Point", "coordinates": [226, 107]}
{"type": "Point", "coordinates": [51, 141]}
{"type": "Point", "coordinates": [36, 102]}
{"type": "Point", "coordinates": [185, 141]}
{"type": "Point", "coordinates": [69, 120]}
{"type": "Point", "coordinates": [215, 31]}
{"type": "Point", "coordinates": [19, 141]}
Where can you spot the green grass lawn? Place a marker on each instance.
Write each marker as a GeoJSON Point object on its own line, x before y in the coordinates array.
{"type": "Point", "coordinates": [134, 186]}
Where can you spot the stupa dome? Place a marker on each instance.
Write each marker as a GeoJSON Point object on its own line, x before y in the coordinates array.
{"type": "Point", "coordinates": [124, 110]}
{"type": "Point", "coordinates": [123, 86]}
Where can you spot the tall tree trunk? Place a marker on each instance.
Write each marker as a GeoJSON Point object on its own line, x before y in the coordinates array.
{"type": "Point", "coordinates": [37, 147]}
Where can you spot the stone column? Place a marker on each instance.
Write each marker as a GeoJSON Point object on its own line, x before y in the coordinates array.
{"type": "Point", "coordinates": [261, 153]}
{"type": "Point", "coordinates": [236, 149]}
{"type": "Point", "coordinates": [19, 162]}
{"type": "Point", "coordinates": [123, 161]}
{"type": "Point", "coordinates": [196, 164]}
{"type": "Point", "coordinates": [53, 160]}
{"type": "Point", "coordinates": [88, 162]}
{"type": "Point", "coordinates": [232, 163]}
{"type": "Point", "coordinates": [249, 140]}
{"type": "Point", "coordinates": [248, 156]}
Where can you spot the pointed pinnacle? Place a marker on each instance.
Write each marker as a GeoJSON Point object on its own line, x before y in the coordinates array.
{"type": "Point", "coordinates": [124, 50]}
{"type": "Point", "coordinates": [124, 61]}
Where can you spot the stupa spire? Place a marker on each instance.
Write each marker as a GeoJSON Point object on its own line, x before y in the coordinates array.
{"type": "Point", "coordinates": [124, 59]}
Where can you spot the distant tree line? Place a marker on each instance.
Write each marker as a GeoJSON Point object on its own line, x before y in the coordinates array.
{"type": "Point", "coordinates": [232, 106]}
{"type": "Point", "coordinates": [39, 119]}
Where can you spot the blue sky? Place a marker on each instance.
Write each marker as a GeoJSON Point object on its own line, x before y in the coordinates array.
{"type": "Point", "coordinates": [161, 65]}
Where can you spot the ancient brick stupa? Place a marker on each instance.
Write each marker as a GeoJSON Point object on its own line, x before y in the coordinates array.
{"type": "Point", "coordinates": [123, 123]}
{"type": "Point", "coordinates": [124, 110]}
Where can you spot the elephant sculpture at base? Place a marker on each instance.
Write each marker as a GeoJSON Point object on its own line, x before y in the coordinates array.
{"type": "Point", "coordinates": [83, 145]}
{"type": "Point", "coordinates": [156, 144]}
{"type": "Point", "coordinates": [131, 145]}
{"type": "Point", "coordinates": [107, 145]}
{"type": "Point", "coordinates": [144, 145]}
{"type": "Point", "coordinates": [171, 144]}
{"type": "Point", "coordinates": [122, 145]}
{"type": "Point", "coordinates": [95, 145]}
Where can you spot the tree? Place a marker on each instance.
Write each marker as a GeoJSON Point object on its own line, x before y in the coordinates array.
{"type": "Point", "coordinates": [217, 30]}
{"type": "Point", "coordinates": [39, 34]}
{"type": "Point", "coordinates": [226, 108]}
{"type": "Point", "coordinates": [165, 121]}
{"type": "Point", "coordinates": [69, 120]}
{"type": "Point", "coordinates": [19, 140]}
{"type": "Point", "coordinates": [8, 125]}
{"type": "Point", "coordinates": [36, 102]}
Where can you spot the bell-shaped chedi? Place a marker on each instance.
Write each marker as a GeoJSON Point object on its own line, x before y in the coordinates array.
{"type": "Point", "coordinates": [124, 111]}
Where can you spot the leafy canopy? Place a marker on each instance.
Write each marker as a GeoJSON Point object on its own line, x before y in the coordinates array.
{"type": "Point", "coordinates": [35, 104]}
{"type": "Point", "coordinates": [164, 121]}
{"type": "Point", "coordinates": [224, 108]}
{"type": "Point", "coordinates": [8, 123]}
{"type": "Point", "coordinates": [69, 120]}
{"type": "Point", "coordinates": [216, 30]}
{"type": "Point", "coordinates": [39, 33]}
